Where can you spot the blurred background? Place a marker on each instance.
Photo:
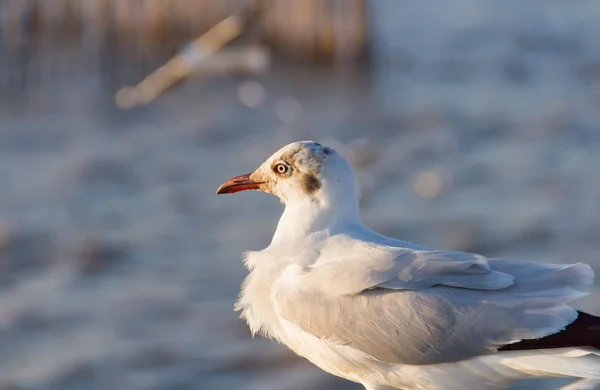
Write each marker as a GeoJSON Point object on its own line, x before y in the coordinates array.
{"type": "Point", "coordinates": [472, 124]}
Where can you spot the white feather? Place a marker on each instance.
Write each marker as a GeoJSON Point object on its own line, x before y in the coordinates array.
{"type": "Point", "coordinates": [392, 314]}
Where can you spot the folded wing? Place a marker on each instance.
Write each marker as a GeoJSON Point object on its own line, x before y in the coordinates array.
{"type": "Point", "coordinates": [403, 306]}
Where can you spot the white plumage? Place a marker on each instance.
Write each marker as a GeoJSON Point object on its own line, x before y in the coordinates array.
{"type": "Point", "coordinates": [391, 314]}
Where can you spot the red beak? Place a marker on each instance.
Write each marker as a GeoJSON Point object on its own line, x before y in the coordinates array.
{"type": "Point", "coordinates": [237, 184]}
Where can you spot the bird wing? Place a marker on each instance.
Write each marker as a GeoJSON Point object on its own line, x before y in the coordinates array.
{"type": "Point", "coordinates": [405, 306]}
{"type": "Point", "coordinates": [402, 269]}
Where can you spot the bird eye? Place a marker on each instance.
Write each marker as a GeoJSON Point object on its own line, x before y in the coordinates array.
{"type": "Point", "coordinates": [282, 168]}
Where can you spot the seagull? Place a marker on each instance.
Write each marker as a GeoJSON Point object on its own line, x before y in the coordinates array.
{"type": "Point", "coordinates": [390, 314]}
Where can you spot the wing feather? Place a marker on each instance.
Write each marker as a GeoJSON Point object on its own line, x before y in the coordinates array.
{"type": "Point", "coordinates": [405, 306]}
{"type": "Point", "coordinates": [401, 269]}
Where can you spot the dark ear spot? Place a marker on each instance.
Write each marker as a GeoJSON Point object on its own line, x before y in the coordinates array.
{"type": "Point", "coordinates": [309, 183]}
{"type": "Point", "coordinates": [327, 150]}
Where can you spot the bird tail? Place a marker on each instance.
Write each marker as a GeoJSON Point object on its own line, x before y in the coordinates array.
{"type": "Point", "coordinates": [561, 362]}
{"type": "Point", "coordinates": [583, 332]}
{"type": "Point", "coordinates": [500, 370]}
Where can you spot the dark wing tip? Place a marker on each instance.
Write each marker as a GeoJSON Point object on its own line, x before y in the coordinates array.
{"type": "Point", "coordinates": [583, 332]}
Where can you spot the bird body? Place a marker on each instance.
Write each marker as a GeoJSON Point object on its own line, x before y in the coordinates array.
{"type": "Point", "coordinates": [391, 314]}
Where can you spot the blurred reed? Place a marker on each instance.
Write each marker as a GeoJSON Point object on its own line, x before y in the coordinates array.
{"type": "Point", "coordinates": [87, 34]}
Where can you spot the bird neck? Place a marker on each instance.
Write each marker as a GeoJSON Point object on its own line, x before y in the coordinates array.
{"type": "Point", "coordinates": [305, 217]}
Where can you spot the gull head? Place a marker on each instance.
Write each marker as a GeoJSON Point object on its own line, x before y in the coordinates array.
{"type": "Point", "coordinates": [301, 172]}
